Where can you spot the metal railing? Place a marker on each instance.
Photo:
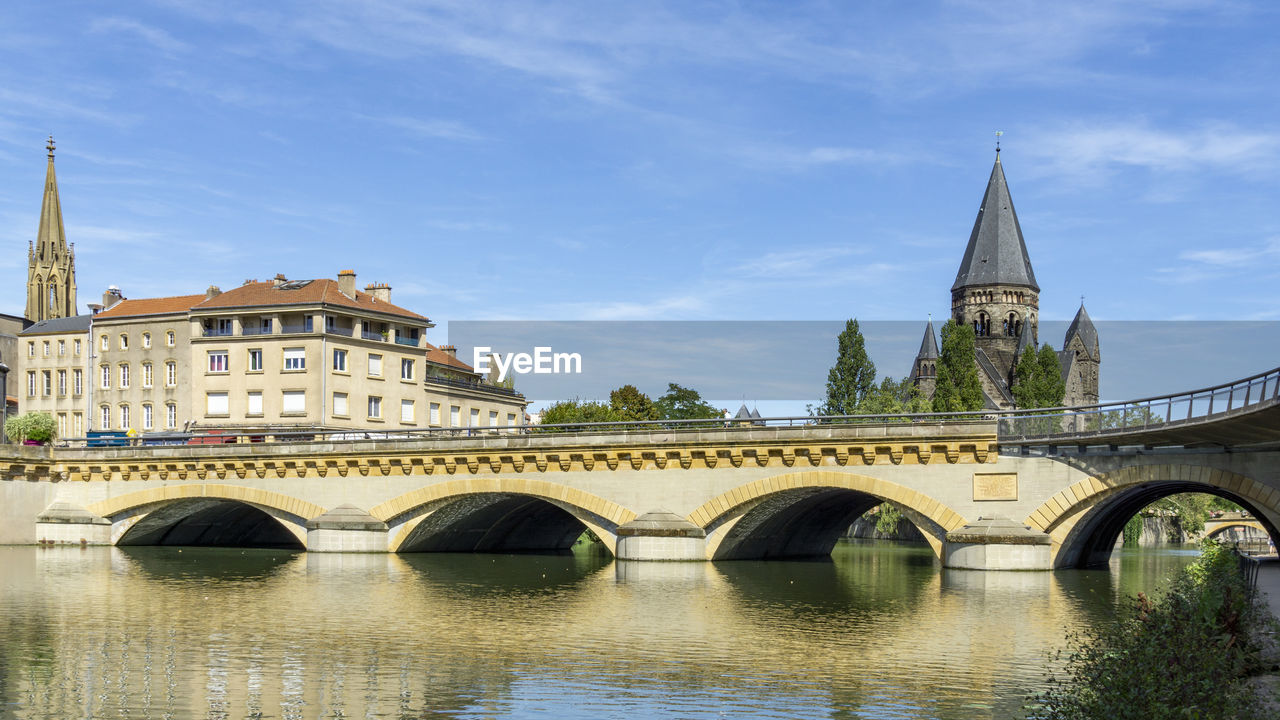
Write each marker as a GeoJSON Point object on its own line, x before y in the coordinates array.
{"type": "Point", "coordinates": [1164, 411]}
{"type": "Point", "coordinates": [373, 335]}
{"type": "Point", "coordinates": [411, 342]}
{"type": "Point", "coordinates": [255, 330]}
{"type": "Point", "coordinates": [287, 329]}
{"type": "Point", "coordinates": [216, 332]}
{"type": "Point", "coordinates": [451, 382]}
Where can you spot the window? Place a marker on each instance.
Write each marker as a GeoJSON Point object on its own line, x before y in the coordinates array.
{"type": "Point", "coordinates": [255, 360]}
{"type": "Point", "coordinates": [124, 376]}
{"type": "Point", "coordinates": [77, 424]}
{"type": "Point", "coordinates": [31, 383]}
{"type": "Point", "coordinates": [31, 348]}
{"type": "Point", "coordinates": [511, 419]}
{"type": "Point", "coordinates": [62, 424]}
{"type": "Point", "coordinates": [406, 368]}
{"type": "Point", "coordinates": [375, 365]}
{"type": "Point", "coordinates": [146, 340]}
{"type": "Point", "coordinates": [171, 416]}
{"type": "Point", "coordinates": [295, 359]}
{"type": "Point", "coordinates": [306, 323]}
{"type": "Point", "coordinates": [75, 347]}
{"type": "Point", "coordinates": [217, 361]}
{"type": "Point", "coordinates": [104, 344]}
{"type": "Point", "coordinates": [475, 418]}
{"type": "Point", "coordinates": [216, 404]}
{"type": "Point", "coordinates": [45, 348]}
{"type": "Point", "coordinates": [406, 411]}
{"type": "Point", "coordinates": [434, 417]}
{"type": "Point", "coordinates": [77, 382]}
{"type": "Point", "coordinates": [266, 326]}
{"type": "Point", "coordinates": [255, 403]}
{"type": "Point", "coordinates": [375, 407]}
{"type": "Point", "coordinates": [62, 348]}
{"type": "Point", "coordinates": [340, 407]}
{"type": "Point", "coordinates": [147, 375]}
{"type": "Point", "coordinates": [168, 338]}
{"type": "Point", "coordinates": [46, 382]}
{"type": "Point", "coordinates": [146, 416]}
{"type": "Point", "coordinates": [124, 341]}
{"type": "Point", "coordinates": [62, 382]}
{"type": "Point", "coordinates": [294, 402]}
{"type": "Point", "coordinates": [170, 373]}
{"type": "Point", "coordinates": [106, 377]}
{"type": "Point", "coordinates": [223, 326]}
{"type": "Point", "coordinates": [105, 416]}
{"type": "Point", "coordinates": [493, 418]}
{"type": "Point", "coordinates": [454, 412]}
{"type": "Point", "coordinates": [339, 360]}
{"type": "Point", "coordinates": [124, 417]}
{"type": "Point", "coordinates": [329, 323]}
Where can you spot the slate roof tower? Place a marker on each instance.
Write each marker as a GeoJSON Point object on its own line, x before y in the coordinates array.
{"type": "Point", "coordinates": [51, 262]}
{"type": "Point", "coordinates": [924, 371]}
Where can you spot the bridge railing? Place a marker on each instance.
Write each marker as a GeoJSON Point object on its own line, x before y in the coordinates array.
{"type": "Point", "coordinates": [1165, 411]}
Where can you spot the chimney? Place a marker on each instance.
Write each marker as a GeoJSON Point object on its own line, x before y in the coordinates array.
{"type": "Point", "coordinates": [347, 283]}
{"type": "Point", "coordinates": [450, 350]}
{"type": "Point", "coordinates": [381, 292]}
{"type": "Point", "coordinates": [111, 297]}
{"type": "Point", "coordinates": [212, 292]}
{"type": "Point", "coordinates": [278, 280]}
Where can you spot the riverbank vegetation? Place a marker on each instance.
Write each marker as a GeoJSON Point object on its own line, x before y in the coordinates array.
{"type": "Point", "coordinates": [1184, 654]}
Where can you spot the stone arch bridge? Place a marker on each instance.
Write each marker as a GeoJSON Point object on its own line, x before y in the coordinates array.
{"type": "Point", "coordinates": [987, 492]}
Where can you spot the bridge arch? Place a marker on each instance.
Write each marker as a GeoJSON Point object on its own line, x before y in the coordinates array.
{"type": "Point", "coordinates": [1220, 528]}
{"type": "Point", "coordinates": [174, 514]}
{"type": "Point", "coordinates": [1085, 519]}
{"type": "Point", "coordinates": [498, 514]}
{"type": "Point", "coordinates": [805, 513]}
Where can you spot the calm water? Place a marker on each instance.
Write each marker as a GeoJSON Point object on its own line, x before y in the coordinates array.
{"type": "Point", "coordinates": [876, 632]}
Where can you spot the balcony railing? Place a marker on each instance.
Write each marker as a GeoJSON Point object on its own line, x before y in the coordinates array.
{"type": "Point", "coordinates": [216, 332]}
{"type": "Point", "coordinates": [411, 342]}
{"type": "Point", "coordinates": [335, 330]}
{"type": "Point", "coordinates": [258, 330]}
{"type": "Point", "coordinates": [295, 328]}
{"type": "Point", "coordinates": [451, 382]}
{"type": "Point", "coordinates": [373, 335]}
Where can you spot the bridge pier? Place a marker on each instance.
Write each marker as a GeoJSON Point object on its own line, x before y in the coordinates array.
{"type": "Point", "coordinates": [663, 536]}
{"type": "Point", "coordinates": [348, 529]}
{"type": "Point", "coordinates": [997, 544]}
{"type": "Point", "coordinates": [66, 524]}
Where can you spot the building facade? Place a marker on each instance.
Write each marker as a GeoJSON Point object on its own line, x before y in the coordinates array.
{"type": "Point", "coordinates": [995, 292]}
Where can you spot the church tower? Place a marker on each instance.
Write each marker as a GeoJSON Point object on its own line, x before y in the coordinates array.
{"type": "Point", "coordinates": [51, 263]}
{"type": "Point", "coordinates": [995, 291]}
{"type": "Point", "coordinates": [1080, 357]}
{"type": "Point", "coordinates": [924, 372]}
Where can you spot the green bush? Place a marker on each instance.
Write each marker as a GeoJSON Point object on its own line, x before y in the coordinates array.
{"type": "Point", "coordinates": [1183, 655]}
{"type": "Point", "coordinates": [34, 426]}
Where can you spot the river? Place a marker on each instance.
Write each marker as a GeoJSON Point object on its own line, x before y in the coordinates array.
{"type": "Point", "coordinates": [877, 631]}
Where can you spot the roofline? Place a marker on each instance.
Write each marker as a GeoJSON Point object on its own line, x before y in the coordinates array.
{"type": "Point", "coordinates": [196, 309]}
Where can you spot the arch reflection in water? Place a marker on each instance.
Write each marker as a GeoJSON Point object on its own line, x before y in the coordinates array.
{"type": "Point", "coordinates": [494, 523]}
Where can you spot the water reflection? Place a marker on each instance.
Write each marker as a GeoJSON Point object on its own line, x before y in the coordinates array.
{"type": "Point", "coordinates": [877, 631]}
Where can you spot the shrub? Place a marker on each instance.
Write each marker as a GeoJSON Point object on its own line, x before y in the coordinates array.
{"type": "Point", "coordinates": [35, 426]}
{"type": "Point", "coordinates": [1182, 655]}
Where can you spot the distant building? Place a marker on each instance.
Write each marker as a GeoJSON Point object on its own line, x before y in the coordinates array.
{"type": "Point", "coordinates": [995, 292]}
{"type": "Point", "coordinates": [51, 262]}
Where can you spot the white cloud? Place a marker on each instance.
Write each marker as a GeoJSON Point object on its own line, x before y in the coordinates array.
{"type": "Point", "coordinates": [431, 128]}
{"type": "Point", "coordinates": [154, 36]}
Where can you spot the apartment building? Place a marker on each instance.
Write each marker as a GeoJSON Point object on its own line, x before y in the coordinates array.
{"type": "Point", "coordinates": [276, 354]}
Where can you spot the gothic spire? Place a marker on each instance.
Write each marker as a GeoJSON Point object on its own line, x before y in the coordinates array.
{"type": "Point", "coordinates": [929, 345]}
{"type": "Point", "coordinates": [51, 274]}
{"type": "Point", "coordinates": [1082, 325]}
{"type": "Point", "coordinates": [996, 254]}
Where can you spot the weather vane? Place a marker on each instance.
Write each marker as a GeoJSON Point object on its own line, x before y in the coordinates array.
{"type": "Point", "coordinates": [998, 134]}
{"type": "Point", "coordinates": [50, 146]}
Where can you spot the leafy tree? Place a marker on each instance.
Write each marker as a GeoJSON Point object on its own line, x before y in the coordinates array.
{"type": "Point", "coordinates": [887, 518]}
{"type": "Point", "coordinates": [958, 388]}
{"type": "Point", "coordinates": [578, 411]}
{"type": "Point", "coordinates": [1038, 380]}
{"type": "Point", "coordinates": [681, 403]}
{"type": "Point", "coordinates": [33, 426]}
{"type": "Point", "coordinates": [853, 375]}
{"type": "Point", "coordinates": [893, 396]}
{"type": "Point", "coordinates": [631, 404]}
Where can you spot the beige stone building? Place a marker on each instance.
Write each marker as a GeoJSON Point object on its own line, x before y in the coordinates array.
{"type": "Point", "coordinates": [266, 355]}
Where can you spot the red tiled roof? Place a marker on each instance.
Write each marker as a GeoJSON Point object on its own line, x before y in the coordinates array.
{"type": "Point", "coordinates": [440, 357]}
{"type": "Point", "coordinates": [150, 306]}
{"type": "Point", "coordinates": [324, 290]}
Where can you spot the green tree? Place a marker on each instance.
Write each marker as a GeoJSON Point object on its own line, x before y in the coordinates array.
{"type": "Point", "coordinates": [893, 396]}
{"type": "Point", "coordinates": [34, 426]}
{"type": "Point", "coordinates": [1037, 379]}
{"type": "Point", "coordinates": [853, 375]}
{"type": "Point", "coordinates": [631, 404]}
{"type": "Point", "coordinates": [958, 388]}
{"type": "Point", "coordinates": [681, 403]}
{"type": "Point", "coordinates": [578, 411]}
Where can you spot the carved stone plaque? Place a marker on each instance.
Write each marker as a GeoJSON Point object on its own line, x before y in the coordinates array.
{"type": "Point", "coordinates": [995, 486]}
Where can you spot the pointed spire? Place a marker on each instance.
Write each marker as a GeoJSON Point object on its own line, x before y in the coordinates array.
{"type": "Point", "coordinates": [51, 279]}
{"type": "Point", "coordinates": [929, 344]}
{"type": "Point", "coordinates": [996, 254]}
{"type": "Point", "coordinates": [1024, 341]}
{"type": "Point", "coordinates": [1082, 325]}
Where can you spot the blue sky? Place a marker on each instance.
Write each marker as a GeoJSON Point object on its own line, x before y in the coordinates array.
{"type": "Point", "coordinates": [652, 161]}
